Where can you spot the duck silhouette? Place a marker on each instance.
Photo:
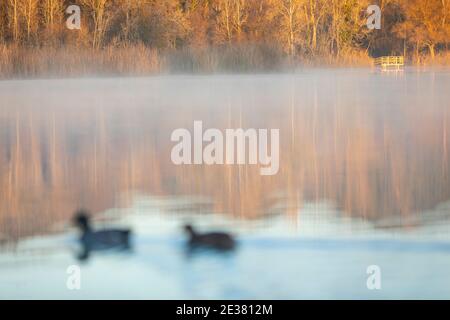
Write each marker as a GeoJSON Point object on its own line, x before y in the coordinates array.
{"type": "Point", "coordinates": [220, 241]}
{"type": "Point", "coordinates": [96, 240]}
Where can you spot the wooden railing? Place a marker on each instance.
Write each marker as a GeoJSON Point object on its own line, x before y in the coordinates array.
{"type": "Point", "coordinates": [390, 61]}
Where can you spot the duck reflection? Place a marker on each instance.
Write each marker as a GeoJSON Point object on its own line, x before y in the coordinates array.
{"type": "Point", "coordinates": [106, 239]}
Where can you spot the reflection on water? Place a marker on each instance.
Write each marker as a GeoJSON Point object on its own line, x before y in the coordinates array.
{"type": "Point", "coordinates": [321, 258]}
{"type": "Point", "coordinates": [373, 147]}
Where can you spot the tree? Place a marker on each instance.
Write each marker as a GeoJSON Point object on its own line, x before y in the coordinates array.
{"type": "Point", "coordinates": [28, 9]}
{"type": "Point", "coordinates": [240, 16]}
{"type": "Point", "coordinates": [315, 11]}
{"type": "Point", "coordinates": [347, 27]}
{"type": "Point", "coordinates": [163, 24]}
{"type": "Point", "coordinates": [426, 23]}
{"type": "Point", "coordinates": [292, 18]}
{"type": "Point", "coordinates": [13, 18]}
{"type": "Point", "coordinates": [52, 11]}
{"type": "Point", "coordinates": [224, 27]}
{"type": "Point", "coordinates": [267, 29]}
{"type": "Point", "coordinates": [127, 19]}
{"type": "Point", "coordinates": [100, 14]}
{"type": "Point", "coordinates": [3, 21]}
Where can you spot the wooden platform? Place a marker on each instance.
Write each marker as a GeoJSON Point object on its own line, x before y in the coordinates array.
{"type": "Point", "coordinates": [390, 63]}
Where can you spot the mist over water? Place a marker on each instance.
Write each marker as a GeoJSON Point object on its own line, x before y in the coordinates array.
{"type": "Point", "coordinates": [364, 170]}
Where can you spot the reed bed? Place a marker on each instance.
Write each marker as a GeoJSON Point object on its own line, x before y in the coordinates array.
{"type": "Point", "coordinates": [138, 60]}
{"type": "Point", "coordinates": [26, 62]}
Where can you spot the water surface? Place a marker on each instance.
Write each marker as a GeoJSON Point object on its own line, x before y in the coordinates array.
{"type": "Point", "coordinates": [363, 180]}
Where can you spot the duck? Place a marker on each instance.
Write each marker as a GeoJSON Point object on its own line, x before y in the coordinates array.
{"type": "Point", "coordinates": [220, 241]}
{"type": "Point", "coordinates": [99, 239]}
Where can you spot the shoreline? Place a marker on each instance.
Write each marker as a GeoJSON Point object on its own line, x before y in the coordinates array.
{"type": "Point", "coordinates": [297, 72]}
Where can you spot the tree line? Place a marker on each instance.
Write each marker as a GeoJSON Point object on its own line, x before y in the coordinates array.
{"type": "Point", "coordinates": [295, 29]}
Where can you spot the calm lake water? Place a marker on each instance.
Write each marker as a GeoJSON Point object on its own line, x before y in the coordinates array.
{"type": "Point", "coordinates": [363, 180]}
